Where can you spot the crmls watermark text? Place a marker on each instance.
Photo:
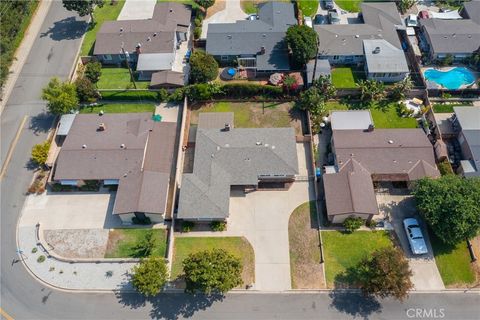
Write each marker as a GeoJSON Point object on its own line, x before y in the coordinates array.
{"type": "Point", "coordinates": [424, 313]}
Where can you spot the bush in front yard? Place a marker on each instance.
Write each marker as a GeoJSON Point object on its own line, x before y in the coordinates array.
{"type": "Point", "coordinates": [352, 223]}
{"type": "Point", "coordinates": [187, 226]}
{"type": "Point", "coordinates": [218, 225]}
{"type": "Point", "coordinates": [203, 67]}
{"type": "Point", "coordinates": [150, 276]}
{"type": "Point", "coordinates": [93, 71]}
{"type": "Point", "coordinates": [40, 153]}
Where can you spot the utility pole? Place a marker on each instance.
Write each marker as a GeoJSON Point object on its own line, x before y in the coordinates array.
{"type": "Point", "coordinates": [125, 54]}
{"type": "Point", "coordinates": [316, 60]}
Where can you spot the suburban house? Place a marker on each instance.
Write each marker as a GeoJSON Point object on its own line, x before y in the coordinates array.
{"type": "Point", "coordinates": [150, 45]}
{"type": "Point", "coordinates": [128, 150]}
{"type": "Point", "coordinates": [459, 38]}
{"type": "Point", "coordinates": [375, 44]}
{"type": "Point", "coordinates": [226, 158]}
{"type": "Point", "coordinates": [364, 156]}
{"type": "Point", "coordinates": [256, 45]}
{"type": "Point", "coordinates": [467, 123]}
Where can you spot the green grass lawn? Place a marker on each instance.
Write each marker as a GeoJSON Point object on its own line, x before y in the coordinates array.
{"type": "Point", "coordinates": [343, 251]}
{"type": "Point", "coordinates": [346, 77]}
{"type": "Point", "coordinates": [453, 262]}
{"type": "Point", "coordinates": [122, 242]}
{"type": "Point", "coordinates": [237, 246]}
{"type": "Point", "coordinates": [448, 107]}
{"type": "Point", "coordinates": [106, 13]}
{"type": "Point", "coordinates": [120, 108]}
{"type": "Point", "coordinates": [250, 6]}
{"type": "Point", "coordinates": [118, 78]}
{"type": "Point", "coordinates": [384, 116]}
{"type": "Point", "coordinates": [349, 5]}
{"type": "Point", "coordinates": [308, 7]}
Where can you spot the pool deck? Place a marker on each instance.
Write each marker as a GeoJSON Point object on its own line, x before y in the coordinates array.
{"type": "Point", "coordinates": [434, 85]}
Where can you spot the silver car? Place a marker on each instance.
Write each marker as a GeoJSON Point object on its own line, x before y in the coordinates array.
{"type": "Point", "coordinates": [415, 236]}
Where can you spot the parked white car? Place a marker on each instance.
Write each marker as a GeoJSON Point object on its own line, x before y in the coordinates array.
{"type": "Point", "coordinates": [308, 22]}
{"type": "Point", "coordinates": [412, 21]}
{"type": "Point", "coordinates": [415, 236]}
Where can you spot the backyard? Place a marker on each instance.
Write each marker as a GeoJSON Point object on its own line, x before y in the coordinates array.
{"type": "Point", "coordinates": [453, 263]}
{"type": "Point", "coordinates": [346, 77]}
{"type": "Point", "coordinates": [385, 115]}
{"type": "Point", "coordinates": [122, 243]}
{"type": "Point", "coordinates": [108, 12]}
{"type": "Point", "coordinates": [237, 246]}
{"type": "Point", "coordinates": [255, 114]}
{"type": "Point", "coordinates": [349, 5]}
{"type": "Point", "coordinates": [448, 107]}
{"type": "Point", "coordinates": [119, 108]}
{"type": "Point", "coordinates": [118, 78]}
{"type": "Point", "coordinates": [344, 251]}
{"type": "Point", "coordinates": [306, 270]}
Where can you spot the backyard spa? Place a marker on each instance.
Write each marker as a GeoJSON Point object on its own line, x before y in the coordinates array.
{"type": "Point", "coordinates": [451, 78]}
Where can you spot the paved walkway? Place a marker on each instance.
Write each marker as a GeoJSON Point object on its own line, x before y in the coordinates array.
{"type": "Point", "coordinates": [233, 12]}
{"type": "Point", "coordinates": [137, 10]}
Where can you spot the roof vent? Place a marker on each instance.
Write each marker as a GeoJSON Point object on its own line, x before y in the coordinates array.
{"type": "Point", "coordinates": [259, 143]}
{"type": "Point", "coordinates": [227, 145]}
{"type": "Point", "coordinates": [122, 146]}
{"type": "Point", "coordinates": [371, 127]}
{"type": "Point", "coordinates": [149, 39]}
{"type": "Point", "coordinates": [229, 36]}
{"type": "Point", "coordinates": [218, 148]}
{"type": "Point", "coordinates": [357, 36]}
{"type": "Point", "coordinates": [262, 50]}
{"type": "Point", "coordinates": [171, 10]}
{"type": "Point", "coordinates": [376, 50]}
{"type": "Point", "coordinates": [469, 36]}
{"type": "Point", "coordinates": [154, 34]}
{"type": "Point", "coordinates": [121, 29]}
{"type": "Point", "coordinates": [454, 35]}
{"type": "Point", "coordinates": [264, 35]}
{"type": "Point", "coordinates": [273, 147]}
{"type": "Point", "coordinates": [266, 145]}
{"type": "Point", "coordinates": [227, 127]}
{"type": "Point", "coordinates": [84, 146]}
{"type": "Point", "coordinates": [101, 113]}
{"type": "Point", "coordinates": [101, 127]}
{"type": "Point", "coordinates": [390, 141]}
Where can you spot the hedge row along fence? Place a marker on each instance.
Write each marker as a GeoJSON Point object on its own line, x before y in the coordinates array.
{"type": "Point", "coordinates": [128, 95]}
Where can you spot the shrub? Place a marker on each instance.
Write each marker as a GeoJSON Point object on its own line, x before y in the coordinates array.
{"type": "Point", "coordinates": [138, 95]}
{"type": "Point", "coordinates": [163, 95]}
{"type": "Point", "coordinates": [93, 71]}
{"type": "Point", "coordinates": [352, 223]}
{"type": "Point", "coordinates": [40, 153]}
{"type": "Point", "coordinates": [197, 33]}
{"type": "Point", "coordinates": [187, 226]}
{"type": "Point", "coordinates": [150, 276]}
{"type": "Point", "coordinates": [41, 259]}
{"type": "Point", "coordinates": [34, 250]}
{"type": "Point", "coordinates": [177, 95]}
{"type": "Point", "coordinates": [371, 224]}
{"type": "Point", "coordinates": [86, 92]}
{"type": "Point", "coordinates": [445, 167]}
{"type": "Point", "coordinates": [61, 97]}
{"type": "Point", "coordinates": [203, 91]}
{"type": "Point", "coordinates": [203, 67]}
{"type": "Point", "coordinates": [249, 90]}
{"type": "Point", "coordinates": [197, 22]}
{"type": "Point", "coordinates": [144, 221]}
{"type": "Point", "coordinates": [218, 225]}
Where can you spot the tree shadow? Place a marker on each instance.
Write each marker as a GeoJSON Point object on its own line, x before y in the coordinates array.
{"type": "Point", "coordinates": [354, 304]}
{"type": "Point", "coordinates": [41, 123]}
{"type": "Point", "coordinates": [67, 29]}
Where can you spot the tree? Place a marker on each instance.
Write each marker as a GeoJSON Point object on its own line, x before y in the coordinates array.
{"type": "Point", "coordinates": [289, 83]}
{"type": "Point", "coordinates": [212, 271]}
{"type": "Point", "coordinates": [202, 91]}
{"type": "Point", "coordinates": [40, 153]}
{"type": "Point", "coordinates": [352, 223]}
{"type": "Point", "coordinates": [302, 41]}
{"type": "Point", "coordinates": [85, 90]}
{"type": "Point", "coordinates": [386, 274]}
{"type": "Point", "coordinates": [326, 87]}
{"type": "Point", "coordinates": [205, 4]}
{"type": "Point", "coordinates": [61, 96]}
{"type": "Point", "coordinates": [312, 100]}
{"type": "Point", "coordinates": [93, 71]}
{"type": "Point", "coordinates": [83, 7]}
{"type": "Point", "coordinates": [371, 90]}
{"type": "Point", "coordinates": [203, 67]}
{"type": "Point", "coordinates": [150, 276]}
{"type": "Point", "coordinates": [450, 206]}
{"type": "Point", "coordinates": [145, 246]}
{"type": "Point", "coordinates": [401, 88]}
{"type": "Point", "coordinates": [404, 5]}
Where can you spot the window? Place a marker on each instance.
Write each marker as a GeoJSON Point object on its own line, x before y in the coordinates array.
{"type": "Point", "coordinates": [224, 58]}
{"type": "Point", "coordinates": [107, 57]}
{"type": "Point", "coordinates": [335, 57]}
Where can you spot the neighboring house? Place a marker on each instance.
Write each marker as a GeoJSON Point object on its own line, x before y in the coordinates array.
{"type": "Point", "coordinates": [364, 155]}
{"type": "Point", "coordinates": [375, 43]}
{"type": "Point", "coordinates": [467, 123]}
{"type": "Point", "coordinates": [128, 150]}
{"type": "Point", "coordinates": [149, 44]}
{"type": "Point", "coordinates": [227, 157]}
{"type": "Point", "coordinates": [257, 45]}
{"type": "Point", "coordinates": [459, 38]}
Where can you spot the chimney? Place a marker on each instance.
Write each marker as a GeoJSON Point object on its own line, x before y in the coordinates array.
{"type": "Point", "coordinates": [370, 128]}
{"type": "Point", "coordinates": [138, 48]}
{"type": "Point", "coordinates": [101, 127]}
{"type": "Point", "coordinates": [122, 146]}
{"type": "Point", "coordinates": [376, 50]}
{"type": "Point", "coordinates": [262, 50]}
{"type": "Point", "coordinates": [227, 127]}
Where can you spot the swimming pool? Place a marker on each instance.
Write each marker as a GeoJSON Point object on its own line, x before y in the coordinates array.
{"type": "Point", "coordinates": [452, 79]}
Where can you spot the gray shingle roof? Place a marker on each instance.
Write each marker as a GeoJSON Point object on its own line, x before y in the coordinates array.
{"type": "Point", "coordinates": [387, 59]}
{"type": "Point", "coordinates": [469, 119]}
{"type": "Point", "coordinates": [235, 157]}
{"type": "Point", "coordinates": [247, 37]}
{"type": "Point", "coordinates": [323, 69]}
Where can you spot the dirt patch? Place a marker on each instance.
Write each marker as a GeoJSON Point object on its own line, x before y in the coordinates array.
{"type": "Point", "coordinates": [78, 243]}
{"type": "Point", "coordinates": [114, 237]}
{"type": "Point", "coordinates": [476, 266]}
{"type": "Point", "coordinates": [217, 7]}
{"type": "Point", "coordinates": [306, 270]}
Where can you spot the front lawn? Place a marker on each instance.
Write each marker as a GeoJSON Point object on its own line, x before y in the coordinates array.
{"type": "Point", "coordinates": [237, 246]}
{"type": "Point", "coordinates": [453, 263]}
{"type": "Point", "coordinates": [118, 78]}
{"type": "Point", "coordinates": [255, 114]}
{"type": "Point", "coordinates": [250, 6]}
{"type": "Point", "coordinates": [306, 270]}
{"type": "Point", "coordinates": [384, 115]}
{"type": "Point", "coordinates": [347, 77]}
{"type": "Point", "coordinates": [309, 7]}
{"type": "Point", "coordinates": [448, 107]}
{"type": "Point", "coordinates": [349, 5]}
{"type": "Point", "coordinates": [122, 242]}
{"type": "Point", "coordinates": [119, 108]}
{"type": "Point", "coordinates": [106, 13]}
{"type": "Point", "coordinates": [344, 251]}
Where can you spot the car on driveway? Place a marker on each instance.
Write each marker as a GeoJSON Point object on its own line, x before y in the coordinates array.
{"type": "Point", "coordinates": [252, 17]}
{"type": "Point", "coordinates": [415, 236]}
{"type": "Point", "coordinates": [328, 4]}
{"type": "Point", "coordinates": [333, 16]}
{"type": "Point", "coordinates": [320, 19]}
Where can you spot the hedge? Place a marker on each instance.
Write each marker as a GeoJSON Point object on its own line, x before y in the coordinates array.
{"type": "Point", "coordinates": [251, 90]}
{"type": "Point", "coordinates": [138, 95]}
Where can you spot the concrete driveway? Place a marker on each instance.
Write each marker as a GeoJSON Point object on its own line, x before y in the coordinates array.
{"type": "Point", "coordinates": [70, 210]}
{"type": "Point", "coordinates": [425, 272]}
{"type": "Point", "coordinates": [232, 12]}
{"type": "Point", "coordinates": [137, 10]}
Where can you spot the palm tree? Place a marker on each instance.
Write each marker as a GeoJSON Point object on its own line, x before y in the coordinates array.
{"type": "Point", "coordinates": [401, 88]}
{"type": "Point", "coordinates": [371, 90]}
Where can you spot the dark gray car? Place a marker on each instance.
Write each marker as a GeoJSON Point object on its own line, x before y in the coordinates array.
{"type": "Point", "coordinates": [328, 4]}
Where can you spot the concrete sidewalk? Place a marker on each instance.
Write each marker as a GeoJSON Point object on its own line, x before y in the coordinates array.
{"type": "Point", "coordinates": [23, 50]}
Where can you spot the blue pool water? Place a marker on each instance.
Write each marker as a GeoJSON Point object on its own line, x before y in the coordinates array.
{"type": "Point", "coordinates": [451, 79]}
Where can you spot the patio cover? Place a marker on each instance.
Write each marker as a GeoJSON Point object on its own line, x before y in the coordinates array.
{"type": "Point", "coordinates": [155, 61]}
{"type": "Point", "coordinates": [451, 15]}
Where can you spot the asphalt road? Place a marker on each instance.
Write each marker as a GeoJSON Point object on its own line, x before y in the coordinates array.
{"type": "Point", "coordinates": [23, 297]}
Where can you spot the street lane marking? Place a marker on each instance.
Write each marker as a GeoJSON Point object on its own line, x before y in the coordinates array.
{"type": "Point", "coordinates": [5, 315]}
{"type": "Point", "coordinates": [12, 147]}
